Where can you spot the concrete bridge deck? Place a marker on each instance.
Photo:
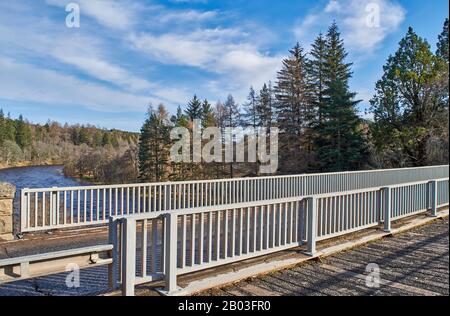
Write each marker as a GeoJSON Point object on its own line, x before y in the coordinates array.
{"type": "Point", "coordinates": [413, 263]}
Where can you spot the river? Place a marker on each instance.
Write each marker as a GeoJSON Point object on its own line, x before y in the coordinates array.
{"type": "Point", "coordinates": [36, 177]}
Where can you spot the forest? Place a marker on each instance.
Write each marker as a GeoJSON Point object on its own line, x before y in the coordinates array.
{"type": "Point", "coordinates": [85, 151]}
{"type": "Point", "coordinates": [321, 128]}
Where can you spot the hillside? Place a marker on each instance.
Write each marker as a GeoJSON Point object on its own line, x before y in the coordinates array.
{"type": "Point", "coordinates": [84, 150]}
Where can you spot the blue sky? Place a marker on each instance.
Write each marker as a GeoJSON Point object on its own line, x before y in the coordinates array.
{"type": "Point", "coordinates": [127, 54]}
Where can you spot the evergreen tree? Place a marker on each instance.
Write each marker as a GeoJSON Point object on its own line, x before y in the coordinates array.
{"type": "Point", "coordinates": [250, 118]}
{"type": "Point", "coordinates": [194, 109]}
{"type": "Point", "coordinates": [179, 119]}
{"type": "Point", "coordinates": [265, 106]}
{"type": "Point", "coordinates": [232, 119]}
{"type": "Point", "coordinates": [339, 139]}
{"type": "Point", "coordinates": [23, 133]}
{"type": "Point", "coordinates": [207, 114]}
{"type": "Point", "coordinates": [410, 103]}
{"type": "Point", "coordinates": [232, 113]}
{"type": "Point", "coordinates": [294, 110]}
{"type": "Point", "coordinates": [442, 44]}
{"type": "Point", "coordinates": [250, 115]}
{"type": "Point", "coordinates": [2, 127]}
{"type": "Point", "coordinates": [154, 145]}
{"type": "Point", "coordinates": [316, 70]}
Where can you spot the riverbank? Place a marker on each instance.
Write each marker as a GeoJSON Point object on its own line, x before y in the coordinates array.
{"type": "Point", "coordinates": [25, 164]}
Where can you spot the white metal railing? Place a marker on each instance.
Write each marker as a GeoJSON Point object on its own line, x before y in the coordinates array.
{"type": "Point", "coordinates": [164, 245]}
{"type": "Point", "coordinates": [50, 208]}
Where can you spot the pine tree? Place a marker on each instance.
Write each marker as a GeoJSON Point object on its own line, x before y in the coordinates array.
{"type": "Point", "coordinates": [442, 44]}
{"type": "Point", "coordinates": [154, 145]}
{"type": "Point", "coordinates": [2, 127]}
{"type": "Point", "coordinates": [294, 110]}
{"type": "Point", "coordinates": [250, 114]}
{"type": "Point", "coordinates": [179, 119]}
{"type": "Point", "coordinates": [339, 139]}
{"type": "Point", "coordinates": [265, 106]}
{"type": "Point", "coordinates": [232, 112]}
{"type": "Point", "coordinates": [232, 119]}
{"type": "Point", "coordinates": [207, 114]}
{"type": "Point", "coordinates": [411, 101]}
{"type": "Point", "coordinates": [316, 70]}
{"type": "Point", "coordinates": [23, 133]}
{"type": "Point", "coordinates": [194, 109]}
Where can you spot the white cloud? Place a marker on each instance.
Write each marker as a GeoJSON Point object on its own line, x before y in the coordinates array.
{"type": "Point", "coordinates": [24, 82]}
{"type": "Point", "coordinates": [359, 31]}
{"type": "Point", "coordinates": [333, 6]}
{"type": "Point", "coordinates": [220, 51]}
{"type": "Point", "coordinates": [304, 27]}
{"type": "Point", "coordinates": [186, 16]}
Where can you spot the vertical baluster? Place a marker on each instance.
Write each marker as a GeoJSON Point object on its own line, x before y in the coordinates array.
{"type": "Point", "coordinates": [267, 226]}
{"type": "Point", "coordinates": [71, 207]}
{"type": "Point", "coordinates": [85, 206]}
{"type": "Point", "coordinates": [144, 249]}
{"type": "Point", "coordinates": [104, 204]}
{"type": "Point", "coordinates": [154, 245]}
{"type": "Point", "coordinates": [225, 235]}
{"type": "Point", "coordinates": [56, 208]}
{"type": "Point", "coordinates": [144, 200]}
{"type": "Point", "coordinates": [241, 231]}
{"type": "Point", "coordinates": [247, 238]}
{"type": "Point", "coordinates": [36, 215]}
{"type": "Point", "coordinates": [210, 235]}
{"type": "Point", "coordinates": [261, 227]}
{"type": "Point", "coordinates": [192, 240]}
{"type": "Point", "coordinates": [218, 235]}
{"type": "Point", "coordinates": [285, 213]}
{"type": "Point", "coordinates": [201, 240]}
{"type": "Point", "coordinates": [274, 210]}
{"type": "Point", "coordinates": [233, 233]}
{"type": "Point", "coordinates": [183, 241]}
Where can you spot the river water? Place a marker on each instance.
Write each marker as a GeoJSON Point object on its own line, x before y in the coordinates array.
{"type": "Point", "coordinates": [36, 177]}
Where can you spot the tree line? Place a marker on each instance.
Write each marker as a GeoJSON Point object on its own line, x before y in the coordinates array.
{"type": "Point", "coordinates": [317, 114]}
{"type": "Point", "coordinates": [85, 151]}
{"type": "Point", "coordinates": [310, 102]}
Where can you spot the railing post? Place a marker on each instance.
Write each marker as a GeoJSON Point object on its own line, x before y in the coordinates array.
{"type": "Point", "coordinates": [129, 257]}
{"type": "Point", "coordinates": [171, 253]}
{"type": "Point", "coordinates": [312, 225]}
{"type": "Point", "coordinates": [113, 268]}
{"type": "Point", "coordinates": [54, 210]}
{"type": "Point", "coordinates": [23, 211]}
{"type": "Point", "coordinates": [387, 208]}
{"type": "Point", "coordinates": [433, 197]}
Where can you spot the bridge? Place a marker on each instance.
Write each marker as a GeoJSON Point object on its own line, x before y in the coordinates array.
{"type": "Point", "coordinates": [164, 231]}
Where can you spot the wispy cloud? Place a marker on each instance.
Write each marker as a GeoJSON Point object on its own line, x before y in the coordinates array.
{"type": "Point", "coordinates": [364, 24]}
{"type": "Point", "coordinates": [25, 82]}
{"type": "Point", "coordinates": [222, 51]}
{"type": "Point", "coordinates": [186, 16]}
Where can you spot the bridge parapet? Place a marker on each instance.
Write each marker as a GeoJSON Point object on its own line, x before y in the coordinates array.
{"type": "Point", "coordinates": [7, 192]}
